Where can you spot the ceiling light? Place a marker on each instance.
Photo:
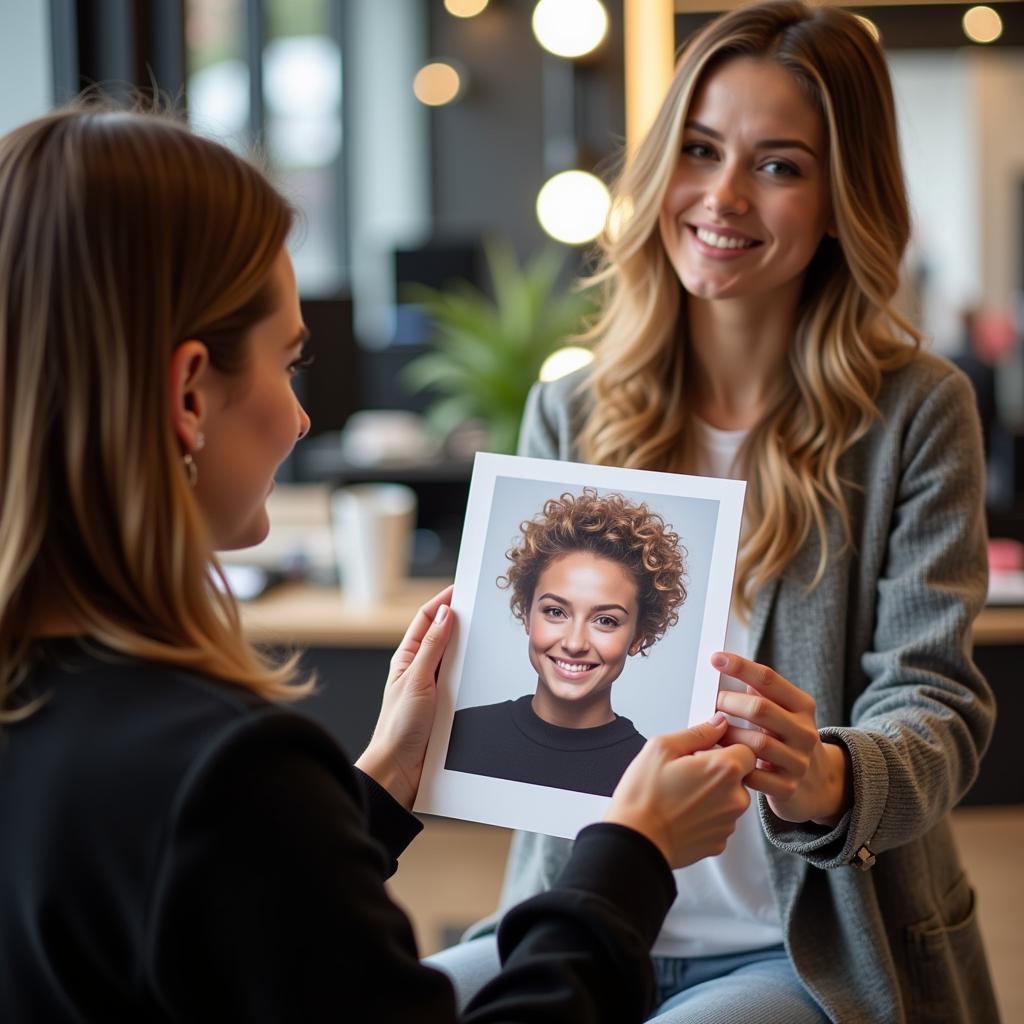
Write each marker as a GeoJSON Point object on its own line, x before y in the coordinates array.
{"type": "Point", "coordinates": [464, 8]}
{"type": "Point", "coordinates": [570, 28]}
{"type": "Point", "coordinates": [982, 25]}
{"type": "Point", "coordinates": [437, 83]}
{"type": "Point", "coordinates": [572, 207]}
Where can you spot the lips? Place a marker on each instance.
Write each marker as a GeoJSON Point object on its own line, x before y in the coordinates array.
{"type": "Point", "coordinates": [573, 670]}
{"type": "Point", "coordinates": [722, 239]}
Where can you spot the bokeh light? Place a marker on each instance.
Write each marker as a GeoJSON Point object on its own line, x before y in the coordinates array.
{"type": "Point", "coordinates": [565, 361]}
{"type": "Point", "coordinates": [464, 8]}
{"type": "Point", "coordinates": [572, 207]}
{"type": "Point", "coordinates": [436, 84]}
{"type": "Point", "coordinates": [982, 25]}
{"type": "Point", "coordinates": [570, 28]}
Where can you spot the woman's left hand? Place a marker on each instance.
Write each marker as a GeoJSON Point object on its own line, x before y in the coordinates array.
{"type": "Point", "coordinates": [395, 753]}
{"type": "Point", "coordinates": [803, 778]}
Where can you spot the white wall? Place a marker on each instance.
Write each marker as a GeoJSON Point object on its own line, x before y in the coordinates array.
{"type": "Point", "coordinates": [26, 77]}
{"type": "Point", "coordinates": [998, 80]}
{"type": "Point", "coordinates": [934, 105]}
{"type": "Point", "coordinates": [388, 152]}
{"type": "Point", "coordinates": [962, 136]}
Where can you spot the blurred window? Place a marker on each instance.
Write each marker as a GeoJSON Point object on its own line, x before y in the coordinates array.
{"type": "Point", "coordinates": [266, 75]}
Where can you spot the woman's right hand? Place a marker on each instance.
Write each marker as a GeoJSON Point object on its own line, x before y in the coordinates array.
{"type": "Point", "coordinates": [682, 795]}
{"type": "Point", "coordinates": [394, 756]}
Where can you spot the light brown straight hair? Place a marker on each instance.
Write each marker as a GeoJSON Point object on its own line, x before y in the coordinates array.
{"type": "Point", "coordinates": [121, 235]}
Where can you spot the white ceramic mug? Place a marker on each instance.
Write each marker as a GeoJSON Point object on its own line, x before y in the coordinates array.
{"type": "Point", "coordinates": [373, 527]}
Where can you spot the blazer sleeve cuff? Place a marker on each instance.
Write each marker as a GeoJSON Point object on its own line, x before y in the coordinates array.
{"type": "Point", "coordinates": [387, 821]}
{"type": "Point", "coordinates": [627, 870]}
{"type": "Point", "coordinates": [849, 842]}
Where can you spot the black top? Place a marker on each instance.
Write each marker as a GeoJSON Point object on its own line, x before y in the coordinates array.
{"type": "Point", "coordinates": [176, 849]}
{"type": "Point", "coordinates": [509, 741]}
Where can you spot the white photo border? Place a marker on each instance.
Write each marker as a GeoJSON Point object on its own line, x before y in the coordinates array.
{"type": "Point", "coordinates": [545, 809]}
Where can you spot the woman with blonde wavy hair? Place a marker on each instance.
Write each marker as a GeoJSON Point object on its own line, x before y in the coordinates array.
{"type": "Point", "coordinates": [176, 845]}
{"type": "Point", "coordinates": [595, 579]}
{"type": "Point", "coordinates": [749, 330]}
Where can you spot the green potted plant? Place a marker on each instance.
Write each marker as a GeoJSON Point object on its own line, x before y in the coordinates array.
{"type": "Point", "coordinates": [486, 353]}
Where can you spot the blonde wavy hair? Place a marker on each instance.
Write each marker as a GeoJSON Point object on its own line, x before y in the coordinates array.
{"type": "Point", "coordinates": [608, 526]}
{"type": "Point", "coordinates": [121, 235]}
{"type": "Point", "coordinates": [848, 332]}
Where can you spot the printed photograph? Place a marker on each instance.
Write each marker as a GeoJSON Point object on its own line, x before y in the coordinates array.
{"type": "Point", "coordinates": [585, 597]}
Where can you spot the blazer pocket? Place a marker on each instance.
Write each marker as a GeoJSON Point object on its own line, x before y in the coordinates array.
{"type": "Point", "coordinates": [949, 973]}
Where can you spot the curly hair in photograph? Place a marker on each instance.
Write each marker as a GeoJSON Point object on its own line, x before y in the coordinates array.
{"type": "Point", "coordinates": [607, 526]}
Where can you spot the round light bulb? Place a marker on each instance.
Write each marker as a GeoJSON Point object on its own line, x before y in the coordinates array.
{"type": "Point", "coordinates": [565, 361]}
{"type": "Point", "coordinates": [464, 8]}
{"type": "Point", "coordinates": [570, 28]}
{"type": "Point", "coordinates": [982, 25]}
{"type": "Point", "coordinates": [573, 206]}
{"type": "Point", "coordinates": [436, 84]}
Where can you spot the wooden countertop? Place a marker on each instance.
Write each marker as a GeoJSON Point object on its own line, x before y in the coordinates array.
{"type": "Point", "coordinates": [303, 615]}
{"type": "Point", "coordinates": [1000, 624]}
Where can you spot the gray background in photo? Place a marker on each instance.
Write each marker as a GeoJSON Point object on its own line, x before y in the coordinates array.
{"type": "Point", "coordinates": [655, 691]}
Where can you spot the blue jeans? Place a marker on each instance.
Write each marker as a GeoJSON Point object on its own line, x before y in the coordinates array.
{"type": "Point", "coordinates": [738, 988]}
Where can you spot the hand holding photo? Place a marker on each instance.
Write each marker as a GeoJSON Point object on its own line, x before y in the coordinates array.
{"type": "Point", "coordinates": [589, 600]}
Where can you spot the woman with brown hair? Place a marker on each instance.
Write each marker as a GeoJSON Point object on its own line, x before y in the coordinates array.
{"type": "Point", "coordinates": [176, 845]}
{"type": "Point", "coordinates": [595, 579]}
{"type": "Point", "coordinates": [748, 330]}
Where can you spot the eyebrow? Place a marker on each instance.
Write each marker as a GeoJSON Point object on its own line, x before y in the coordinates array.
{"type": "Point", "coordinates": [301, 338]}
{"type": "Point", "coordinates": [596, 608]}
{"type": "Point", "coordinates": [762, 144]}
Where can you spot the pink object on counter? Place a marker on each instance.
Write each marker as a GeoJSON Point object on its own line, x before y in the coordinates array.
{"type": "Point", "coordinates": [1005, 554]}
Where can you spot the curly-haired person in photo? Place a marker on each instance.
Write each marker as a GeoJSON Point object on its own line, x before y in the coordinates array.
{"type": "Point", "coordinates": [594, 579]}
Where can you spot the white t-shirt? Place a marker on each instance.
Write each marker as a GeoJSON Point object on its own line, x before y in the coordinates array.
{"type": "Point", "coordinates": [725, 903]}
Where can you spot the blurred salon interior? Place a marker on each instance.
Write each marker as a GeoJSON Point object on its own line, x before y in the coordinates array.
{"type": "Point", "coordinates": [449, 159]}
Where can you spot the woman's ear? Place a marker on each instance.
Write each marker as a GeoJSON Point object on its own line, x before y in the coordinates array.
{"type": "Point", "coordinates": [634, 647]}
{"type": "Point", "coordinates": [190, 366]}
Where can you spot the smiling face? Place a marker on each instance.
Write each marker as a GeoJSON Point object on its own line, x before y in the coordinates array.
{"type": "Point", "coordinates": [253, 423]}
{"type": "Point", "coordinates": [581, 628]}
{"type": "Point", "coordinates": [748, 203]}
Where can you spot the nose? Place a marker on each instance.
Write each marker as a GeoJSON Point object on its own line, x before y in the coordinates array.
{"type": "Point", "coordinates": [575, 639]}
{"type": "Point", "coordinates": [724, 195]}
{"type": "Point", "coordinates": [304, 420]}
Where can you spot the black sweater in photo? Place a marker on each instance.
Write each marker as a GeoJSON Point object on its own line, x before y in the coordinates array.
{"type": "Point", "coordinates": [510, 741]}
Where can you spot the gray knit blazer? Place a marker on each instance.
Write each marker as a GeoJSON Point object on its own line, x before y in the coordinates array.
{"type": "Point", "coordinates": [883, 644]}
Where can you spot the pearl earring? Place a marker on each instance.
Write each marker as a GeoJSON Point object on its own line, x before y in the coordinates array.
{"type": "Point", "coordinates": [191, 469]}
